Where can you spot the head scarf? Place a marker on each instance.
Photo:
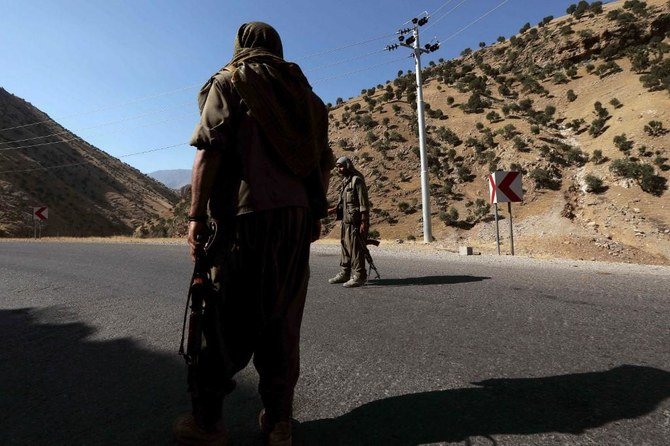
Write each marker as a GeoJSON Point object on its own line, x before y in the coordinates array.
{"type": "Point", "coordinates": [345, 161]}
{"type": "Point", "coordinates": [255, 36]}
{"type": "Point", "coordinates": [351, 171]}
{"type": "Point", "coordinates": [292, 117]}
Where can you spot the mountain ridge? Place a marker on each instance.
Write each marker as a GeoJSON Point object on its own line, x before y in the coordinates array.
{"type": "Point", "coordinates": [172, 178]}
{"type": "Point", "coordinates": [87, 191]}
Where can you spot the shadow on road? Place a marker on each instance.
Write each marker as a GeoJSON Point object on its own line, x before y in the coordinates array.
{"type": "Point", "coordinates": [58, 386]}
{"type": "Point", "coordinates": [567, 404]}
{"type": "Point", "coordinates": [427, 280]}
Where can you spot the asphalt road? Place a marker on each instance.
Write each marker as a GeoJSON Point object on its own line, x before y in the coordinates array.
{"type": "Point", "coordinates": [442, 349]}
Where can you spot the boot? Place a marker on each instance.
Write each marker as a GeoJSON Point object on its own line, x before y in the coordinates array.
{"type": "Point", "coordinates": [341, 277]}
{"type": "Point", "coordinates": [279, 434]}
{"type": "Point", "coordinates": [186, 431]}
{"type": "Point", "coordinates": [355, 281]}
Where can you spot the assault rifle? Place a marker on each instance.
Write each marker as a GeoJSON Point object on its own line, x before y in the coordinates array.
{"type": "Point", "coordinates": [366, 251]}
{"type": "Point", "coordinates": [199, 293]}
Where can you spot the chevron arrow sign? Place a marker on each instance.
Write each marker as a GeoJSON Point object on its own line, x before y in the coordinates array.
{"type": "Point", "coordinates": [505, 187]}
{"type": "Point", "coordinates": [41, 213]}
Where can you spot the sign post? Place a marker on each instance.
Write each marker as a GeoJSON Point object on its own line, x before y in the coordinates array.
{"type": "Point", "coordinates": [495, 208]}
{"type": "Point", "coordinates": [505, 187]}
{"type": "Point", "coordinates": [40, 214]}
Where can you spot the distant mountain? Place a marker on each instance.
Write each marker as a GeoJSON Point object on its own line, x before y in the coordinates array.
{"type": "Point", "coordinates": [174, 179]}
{"type": "Point", "coordinates": [88, 192]}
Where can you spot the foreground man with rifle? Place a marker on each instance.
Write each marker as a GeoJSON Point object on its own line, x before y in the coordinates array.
{"type": "Point", "coordinates": [353, 208]}
{"type": "Point", "coordinates": [261, 170]}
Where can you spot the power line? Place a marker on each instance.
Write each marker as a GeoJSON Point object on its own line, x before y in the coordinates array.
{"type": "Point", "coordinates": [188, 87]}
{"type": "Point", "coordinates": [110, 107]}
{"type": "Point", "coordinates": [441, 7]}
{"type": "Point", "coordinates": [476, 20]}
{"type": "Point", "coordinates": [130, 118]}
{"type": "Point", "coordinates": [59, 166]}
{"type": "Point", "coordinates": [351, 45]}
{"type": "Point", "coordinates": [363, 56]}
{"type": "Point", "coordinates": [434, 21]}
{"type": "Point", "coordinates": [154, 150]}
{"type": "Point", "coordinates": [79, 138]}
{"type": "Point", "coordinates": [359, 71]}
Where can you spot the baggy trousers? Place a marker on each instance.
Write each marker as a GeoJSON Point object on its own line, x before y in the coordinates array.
{"type": "Point", "coordinates": [352, 258]}
{"type": "Point", "coordinates": [261, 278]}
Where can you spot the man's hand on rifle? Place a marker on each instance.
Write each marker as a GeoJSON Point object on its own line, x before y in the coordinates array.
{"type": "Point", "coordinates": [197, 236]}
{"type": "Point", "coordinates": [363, 230]}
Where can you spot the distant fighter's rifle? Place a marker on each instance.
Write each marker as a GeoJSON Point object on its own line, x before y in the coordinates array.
{"type": "Point", "coordinates": [366, 251]}
{"type": "Point", "coordinates": [199, 293]}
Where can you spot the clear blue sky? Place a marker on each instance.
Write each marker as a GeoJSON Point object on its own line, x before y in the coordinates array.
{"type": "Point", "coordinates": [87, 62]}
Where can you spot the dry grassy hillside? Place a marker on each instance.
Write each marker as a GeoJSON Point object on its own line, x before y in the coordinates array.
{"type": "Point", "coordinates": [97, 195]}
{"type": "Point", "coordinates": [579, 104]}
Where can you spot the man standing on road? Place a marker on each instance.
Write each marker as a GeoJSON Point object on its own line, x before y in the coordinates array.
{"type": "Point", "coordinates": [353, 208]}
{"type": "Point", "coordinates": [262, 169]}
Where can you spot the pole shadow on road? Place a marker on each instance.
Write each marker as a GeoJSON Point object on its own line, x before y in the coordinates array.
{"type": "Point", "coordinates": [566, 404]}
{"type": "Point", "coordinates": [426, 280]}
{"type": "Point", "coordinates": [58, 386]}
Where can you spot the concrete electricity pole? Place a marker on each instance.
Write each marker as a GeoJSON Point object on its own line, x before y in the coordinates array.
{"type": "Point", "coordinates": [412, 43]}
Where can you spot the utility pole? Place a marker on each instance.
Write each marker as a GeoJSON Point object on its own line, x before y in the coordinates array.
{"type": "Point", "coordinates": [413, 43]}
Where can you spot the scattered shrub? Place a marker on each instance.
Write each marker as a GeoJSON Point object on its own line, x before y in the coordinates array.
{"type": "Point", "coordinates": [622, 143]}
{"type": "Point", "coordinates": [616, 103]}
{"type": "Point", "coordinates": [655, 128]}
{"type": "Point", "coordinates": [571, 95]}
{"type": "Point", "coordinates": [576, 156]}
{"type": "Point", "coordinates": [493, 116]}
{"type": "Point", "coordinates": [544, 179]}
{"type": "Point", "coordinates": [404, 207]}
{"type": "Point", "coordinates": [593, 184]}
{"type": "Point", "coordinates": [597, 156]}
{"type": "Point", "coordinates": [448, 136]}
{"type": "Point", "coordinates": [625, 168]}
{"type": "Point", "coordinates": [597, 127]}
{"type": "Point", "coordinates": [449, 217]}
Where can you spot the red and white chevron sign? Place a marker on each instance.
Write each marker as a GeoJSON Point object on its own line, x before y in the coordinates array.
{"type": "Point", "coordinates": [505, 187]}
{"type": "Point", "coordinates": [41, 213]}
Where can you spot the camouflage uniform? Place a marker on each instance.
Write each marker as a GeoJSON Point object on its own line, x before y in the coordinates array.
{"type": "Point", "coordinates": [353, 206]}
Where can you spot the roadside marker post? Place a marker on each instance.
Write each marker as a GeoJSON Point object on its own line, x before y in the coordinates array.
{"type": "Point", "coordinates": [40, 214]}
{"type": "Point", "coordinates": [505, 187]}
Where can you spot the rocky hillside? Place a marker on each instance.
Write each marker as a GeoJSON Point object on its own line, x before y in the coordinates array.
{"type": "Point", "coordinates": [579, 104]}
{"type": "Point", "coordinates": [96, 195]}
